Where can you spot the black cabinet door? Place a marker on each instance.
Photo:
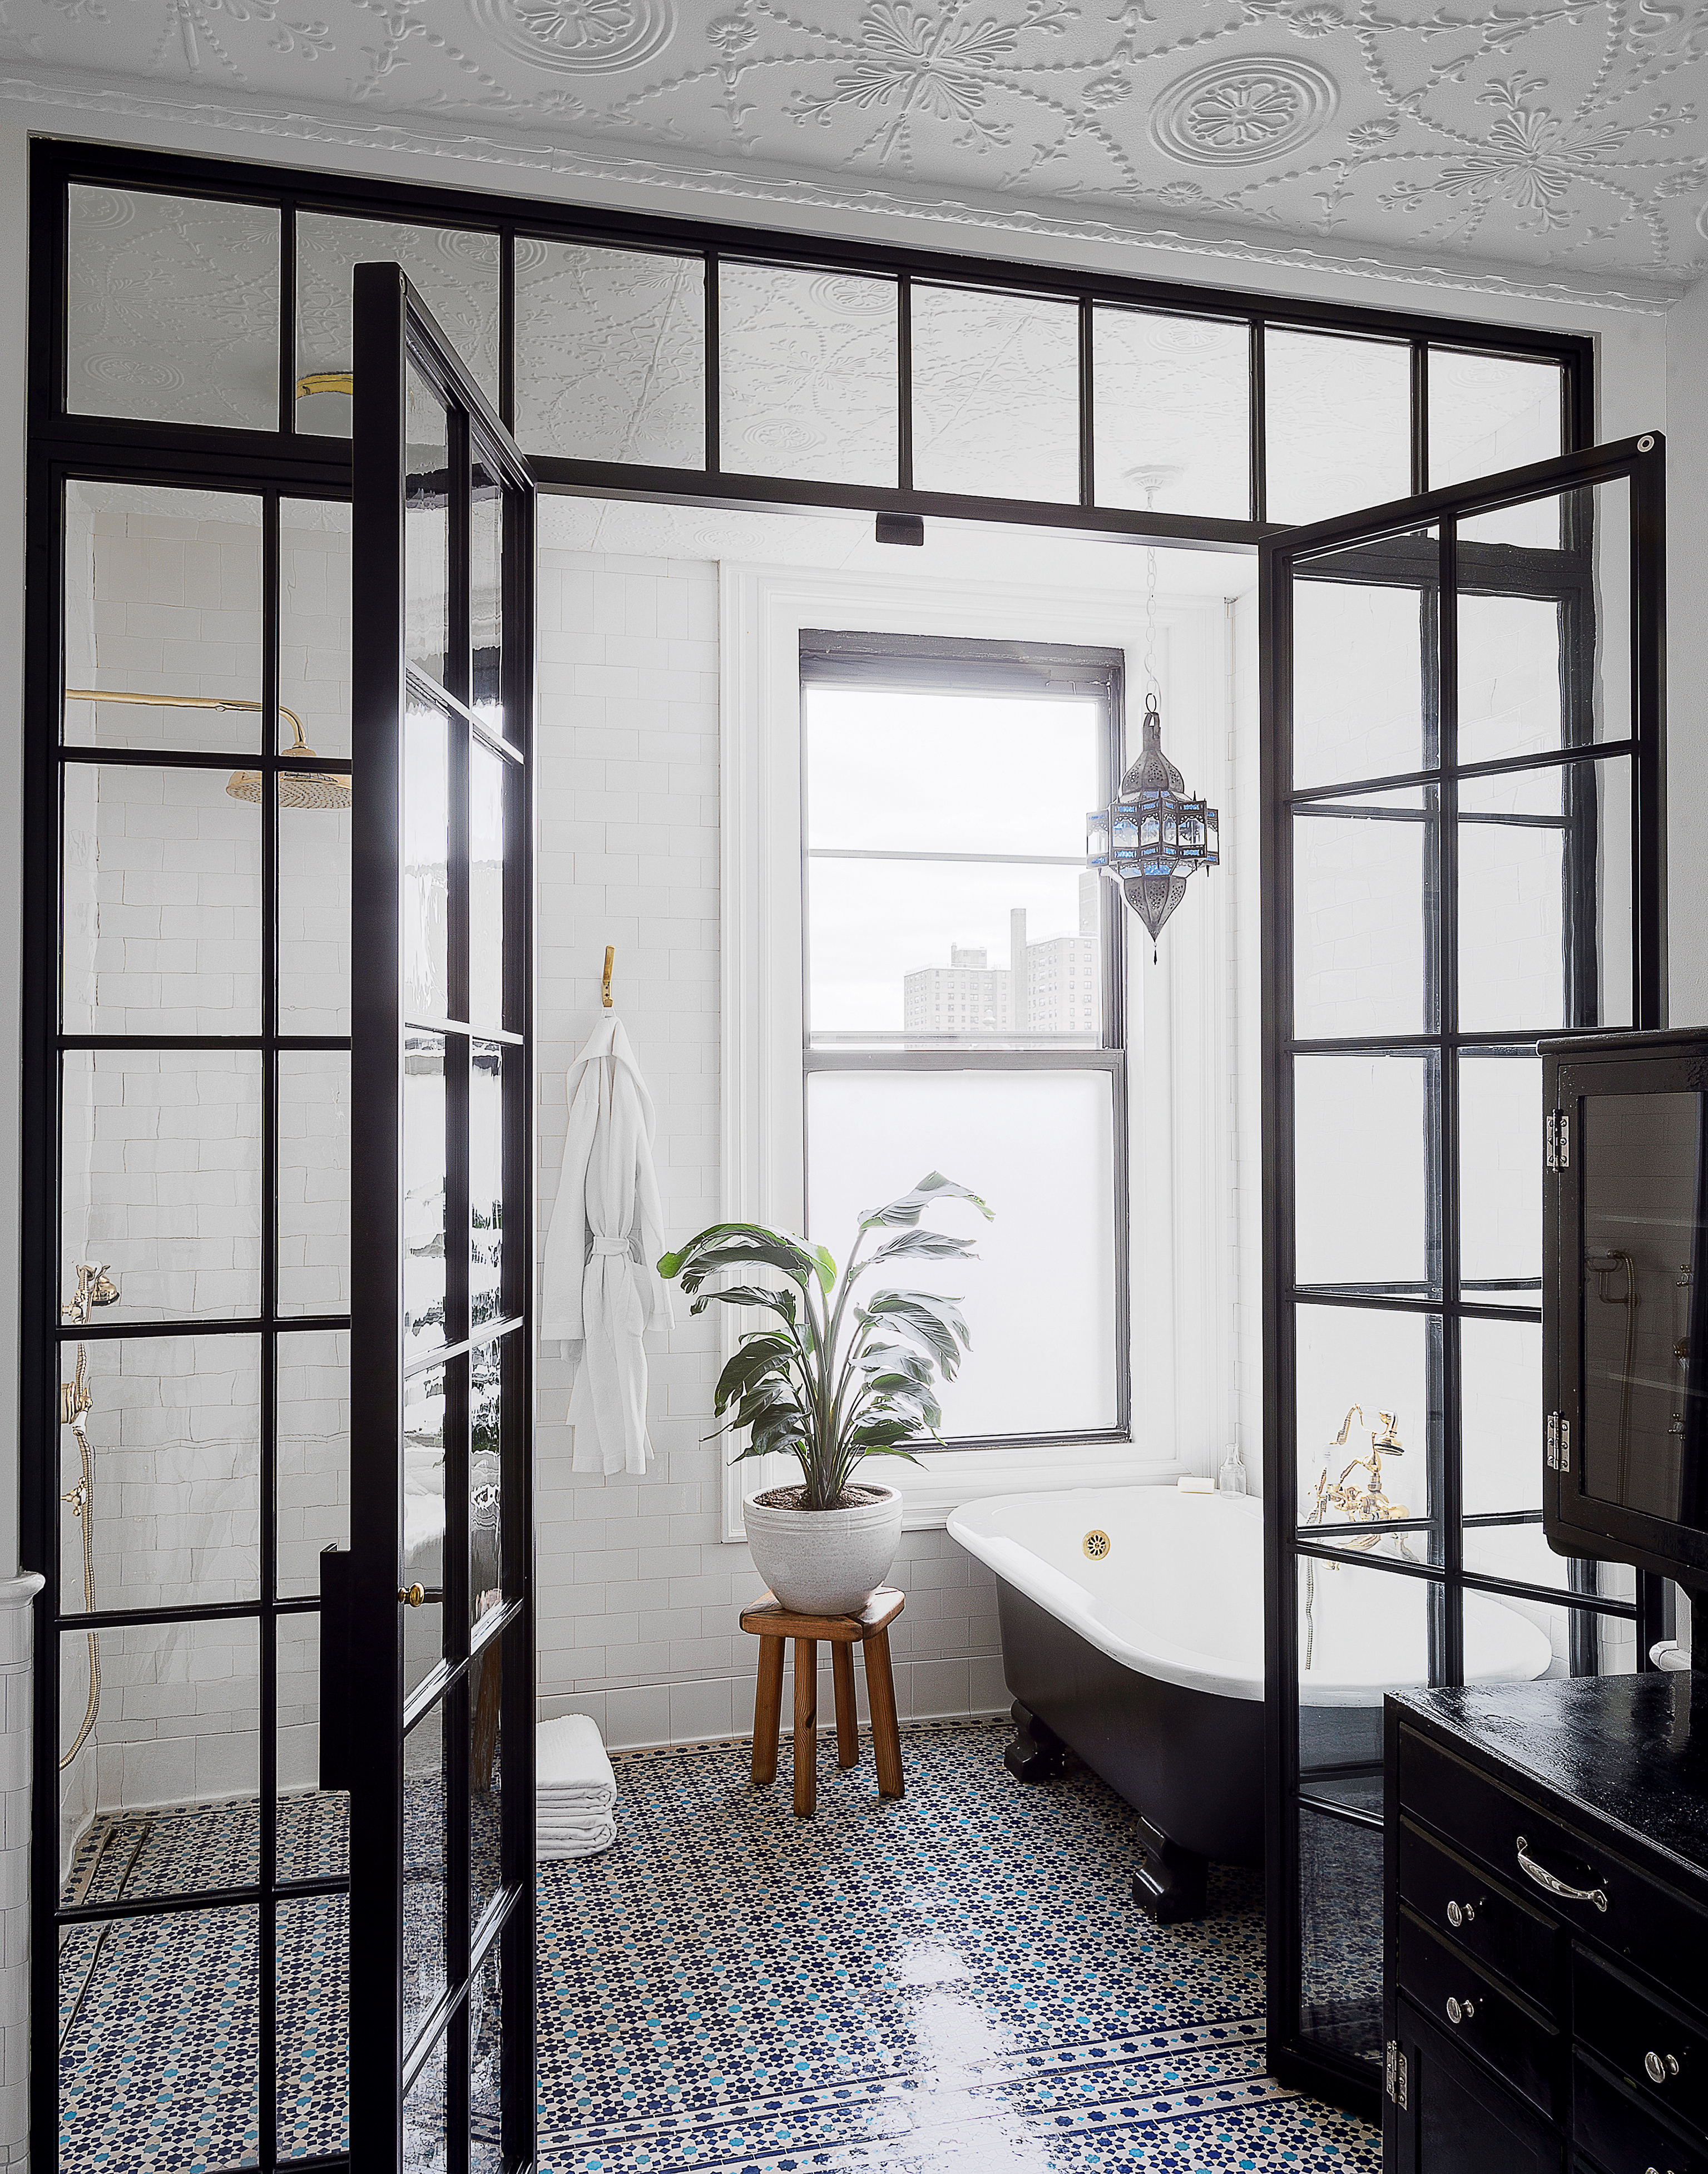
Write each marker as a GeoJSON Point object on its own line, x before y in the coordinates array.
{"type": "Point", "coordinates": [1456, 2119]}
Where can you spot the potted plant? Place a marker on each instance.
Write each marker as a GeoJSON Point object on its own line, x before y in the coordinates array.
{"type": "Point", "coordinates": [835, 1380]}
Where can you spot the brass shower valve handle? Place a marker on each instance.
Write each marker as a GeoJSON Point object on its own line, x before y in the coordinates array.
{"type": "Point", "coordinates": [412, 1595]}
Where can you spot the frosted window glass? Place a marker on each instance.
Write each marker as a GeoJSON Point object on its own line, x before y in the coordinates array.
{"type": "Point", "coordinates": [1339, 433]}
{"type": "Point", "coordinates": [807, 375]}
{"type": "Point", "coordinates": [1173, 414]}
{"type": "Point", "coordinates": [172, 308]}
{"type": "Point", "coordinates": [996, 394]}
{"type": "Point", "coordinates": [454, 272]}
{"type": "Point", "coordinates": [1039, 1300]}
{"type": "Point", "coordinates": [1361, 1126]}
{"type": "Point", "coordinates": [610, 354]}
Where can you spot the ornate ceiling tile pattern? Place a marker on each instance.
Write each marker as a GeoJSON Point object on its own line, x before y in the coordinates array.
{"type": "Point", "coordinates": [1561, 135]}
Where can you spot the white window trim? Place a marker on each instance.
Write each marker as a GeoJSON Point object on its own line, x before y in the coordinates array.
{"type": "Point", "coordinates": [1180, 1012]}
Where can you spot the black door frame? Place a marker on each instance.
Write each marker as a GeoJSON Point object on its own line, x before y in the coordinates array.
{"type": "Point", "coordinates": [1339, 2078]}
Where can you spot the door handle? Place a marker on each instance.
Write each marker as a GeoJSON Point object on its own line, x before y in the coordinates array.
{"type": "Point", "coordinates": [1543, 1877]}
{"type": "Point", "coordinates": [412, 1595]}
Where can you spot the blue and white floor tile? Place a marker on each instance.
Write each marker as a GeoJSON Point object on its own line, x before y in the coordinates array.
{"type": "Point", "coordinates": [956, 1980]}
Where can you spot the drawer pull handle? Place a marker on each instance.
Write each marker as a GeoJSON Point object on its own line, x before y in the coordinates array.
{"type": "Point", "coordinates": [1543, 1877]}
{"type": "Point", "coordinates": [1459, 1914]}
{"type": "Point", "coordinates": [1658, 2067]}
{"type": "Point", "coordinates": [1460, 2011]}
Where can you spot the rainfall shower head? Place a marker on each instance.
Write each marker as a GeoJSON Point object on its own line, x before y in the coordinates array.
{"type": "Point", "coordinates": [297, 788]}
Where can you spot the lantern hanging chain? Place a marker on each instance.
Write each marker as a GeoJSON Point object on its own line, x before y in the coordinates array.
{"type": "Point", "coordinates": [1153, 686]}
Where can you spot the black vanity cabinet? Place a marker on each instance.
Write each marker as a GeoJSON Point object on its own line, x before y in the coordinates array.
{"type": "Point", "coordinates": [1546, 1978]}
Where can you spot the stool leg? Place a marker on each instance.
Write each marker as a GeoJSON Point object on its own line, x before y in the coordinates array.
{"type": "Point", "coordinates": [847, 1713]}
{"type": "Point", "coordinates": [806, 1728]}
{"type": "Point", "coordinates": [768, 1711]}
{"type": "Point", "coordinates": [886, 1736]}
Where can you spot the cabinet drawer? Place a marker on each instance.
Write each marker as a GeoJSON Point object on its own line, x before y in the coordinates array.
{"type": "Point", "coordinates": [1646, 1924]}
{"type": "Point", "coordinates": [1619, 2135]}
{"type": "Point", "coordinates": [1665, 2061]}
{"type": "Point", "coordinates": [1456, 2119]}
{"type": "Point", "coordinates": [1471, 2010]}
{"type": "Point", "coordinates": [1470, 1912]}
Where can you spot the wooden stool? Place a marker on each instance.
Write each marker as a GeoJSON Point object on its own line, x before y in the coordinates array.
{"type": "Point", "coordinates": [773, 1624]}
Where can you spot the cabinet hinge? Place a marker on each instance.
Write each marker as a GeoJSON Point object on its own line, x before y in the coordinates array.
{"type": "Point", "coordinates": [1557, 1140]}
{"type": "Point", "coordinates": [1395, 2072]}
{"type": "Point", "coordinates": [1557, 1455]}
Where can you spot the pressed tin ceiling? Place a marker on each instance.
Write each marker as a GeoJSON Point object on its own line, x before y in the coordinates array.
{"type": "Point", "coordinates": [1561, 145]}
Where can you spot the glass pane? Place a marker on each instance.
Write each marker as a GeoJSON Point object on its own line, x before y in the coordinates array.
{"type": "Point", "coordinates": [1361, 705]}
{"type": "Point", "coordinates": [314, 625]}
{"type": "Point", "coordinates": [1501, 1395]}
{"type": "Point", "coordinates": [425, 1447]}
{"type": "Point", "coordinates": [424, 1868]}
{"type": "Point", "coordinates": [314, 1957]}
{"type": "Point", "coordinates": [985, 773]}
{"type": "Point", "coordinates": [1355, 1369]}
{"type": "Point", "coordinates": [485, 1183]}
{"type": "Point", "coordinates": [314, 1181]}
{"type": "Point", "coordinates": [158, 2017]}
{"type": "Point", "coordinates": [1500, 1177]}
{"type": "Point", "coordinates": [486, 595]}
{"type": "Point", "coordinates": [610, 354]}
{"type": "Point", "coordinates": [426, 862]}
{"type": "Point", "coordinates": [996, 394]}
{"type": "Point", "coordinates": [1038, 1146]}
{"type": "Point", "coordinates": [1527, 841]}
{"type": "Point", "coordinates": [455, 273]}
{"type": "Point", "coordinates": [1363, 1631]}
{"type": "Point", "coordinates": [162, 902]}
{"type": "Point", "coordinates": [1510, 699]}
{"type": "Point", "coordinates": [486, 1777]}
{"type": "Point", "coordinates": [313, 1454]}
{"type": "Point", "coordinates": [1644, 1165]}
{"type": "Point", "coordinates": [161, 1183]}
{"type": "Point", "coordinates": [486, 2067]}
{"type": "Point", "coordinates": [1340, 1936]}
{"type": "Point", "coordinates": [427, 532]}
{"type": "Point", "coordinates": [806, 375]}
{"type": "Point", "coordinates": [1338, 424]}
{"type": "Point", "coordinates": [170, 1514]}
{"type": "Point", "coordinates": [1364, 1133]}
{"type": "Point", "coordinates": [172, 308]}
{"type": "Point", "coordinates": [425, 1230]}
{"type": "Point", "coordinates": [313, 1823]}
{"type": "Point", "coordinates": [1488, 413]}
{"type": "Point", "coordinates": [486, 1478]}
{"type": "Point", "coordinates": [426, 2125]}
{"type": "Point", "coordinates": [487, 784]}
{"type": "Point", "coordinates": [951, 950]}
{"type": "Point", "coordinates": [1172, 402]}
{"type": "Point", "coordinates": [163, 598]}
{"type": "Point", "coordinates": [314, 920]}
{"type": "Point", "coordinates": [1361, 871]}
{"type": "Point", "coordinates": [145, 1797]}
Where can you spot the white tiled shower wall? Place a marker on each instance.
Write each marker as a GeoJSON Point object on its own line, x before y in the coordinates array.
{"type": "Point", "coordinates": [638, 1594]}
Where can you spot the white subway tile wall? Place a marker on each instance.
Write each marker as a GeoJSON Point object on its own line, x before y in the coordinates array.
{"type": "Point", "coordinates": [638, 1596]}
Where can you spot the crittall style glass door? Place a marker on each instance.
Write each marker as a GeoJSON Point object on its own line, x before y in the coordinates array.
{"type": "Point", "coordinates": [1462, 780]}
{"type": "Point", "coordinates": [441, 1659]}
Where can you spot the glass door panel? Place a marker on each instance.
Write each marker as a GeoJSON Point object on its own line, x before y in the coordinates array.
{"type": "Point", "coordinates": [441, 1775]}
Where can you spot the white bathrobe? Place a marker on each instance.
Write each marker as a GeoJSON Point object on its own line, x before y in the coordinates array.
{"type": "Point", "coordinates": [600, 1286]}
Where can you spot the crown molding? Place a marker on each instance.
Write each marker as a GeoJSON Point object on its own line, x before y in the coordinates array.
{"type": "Point", "coordinates": [565, 164]}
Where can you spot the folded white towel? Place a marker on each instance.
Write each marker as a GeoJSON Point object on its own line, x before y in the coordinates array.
{"type": "Point", "coordinates": [569, 1756]}
{"type": "Point", "coordinates": [578, 1838]}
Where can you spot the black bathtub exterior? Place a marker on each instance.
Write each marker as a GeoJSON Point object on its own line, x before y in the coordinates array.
{"type": "Point", "coordinates": [1189, 1762]}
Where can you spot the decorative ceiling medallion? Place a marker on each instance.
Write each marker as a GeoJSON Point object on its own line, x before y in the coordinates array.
{"type": "Point", "coordinates": [580, 37]}
{"type": "Point", "coordinates": [1243, 112]}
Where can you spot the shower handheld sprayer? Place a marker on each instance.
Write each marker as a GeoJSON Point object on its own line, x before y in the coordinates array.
{"type": "Point", "coordinates": [94, 1287]}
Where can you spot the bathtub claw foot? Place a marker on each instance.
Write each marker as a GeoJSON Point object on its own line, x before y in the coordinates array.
{"type": "Point", "coordinates": [1169, 1882]}
{"type": "Point", "coordinates": [1037, 1753]}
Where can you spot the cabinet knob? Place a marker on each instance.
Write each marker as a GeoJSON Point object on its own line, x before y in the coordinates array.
{"type": "Point", "coordinates": [1460, 1913]}
{"type": "Point", "coordinates": [1658, 2067]}
{"type": "Point", "coordinates": [1460, 2011]}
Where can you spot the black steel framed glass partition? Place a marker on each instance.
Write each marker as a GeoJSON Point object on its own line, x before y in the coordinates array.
{"type": "Point", "coordinates": [1462, 787]}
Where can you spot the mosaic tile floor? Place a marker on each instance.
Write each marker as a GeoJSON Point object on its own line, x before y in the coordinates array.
{"type": "Point", "coordinates": [958, 1981]}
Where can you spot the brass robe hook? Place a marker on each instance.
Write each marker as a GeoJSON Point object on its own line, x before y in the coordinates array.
{"type": "Point", "coordinates": [605, 987]}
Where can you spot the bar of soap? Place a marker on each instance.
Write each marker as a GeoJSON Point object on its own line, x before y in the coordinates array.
{"type": "Point", "coordinates": [1190, 1483]}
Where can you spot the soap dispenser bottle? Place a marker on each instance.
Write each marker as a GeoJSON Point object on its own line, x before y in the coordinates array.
{"type": "Point", "coordinates": [1231, 1479]}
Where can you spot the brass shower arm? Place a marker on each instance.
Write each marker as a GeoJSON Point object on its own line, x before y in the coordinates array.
{"type": "Point", "coordinates": [187, 702]}
{"type": "Point", "coordinates": [326, 381]}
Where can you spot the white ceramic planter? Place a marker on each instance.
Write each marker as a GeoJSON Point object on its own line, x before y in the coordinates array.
{"type": "Point", "coordinates": [826, 1562]}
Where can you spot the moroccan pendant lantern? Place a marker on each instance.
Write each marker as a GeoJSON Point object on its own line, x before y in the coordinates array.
{"type": "Point", "coordinates": [1154, 834]}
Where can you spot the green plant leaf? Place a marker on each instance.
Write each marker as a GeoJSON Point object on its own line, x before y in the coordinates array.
{"type": "Point", "coordinates": [923, 1245]}
{"type": "Point", "coordinates": [756, 1357]}
{"type": "Point", "coordinates": [778, 1302]}
{"type": "Point", "coordinates": [747, 1246]}
{"type": "Point", "coordinates": [911, 1206]}
{"type": "Point", "coordinates": [929, 1319]}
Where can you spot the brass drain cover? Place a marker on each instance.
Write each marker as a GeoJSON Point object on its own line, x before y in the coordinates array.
{"type": "Point", "coordinates": [1096, 1544]}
